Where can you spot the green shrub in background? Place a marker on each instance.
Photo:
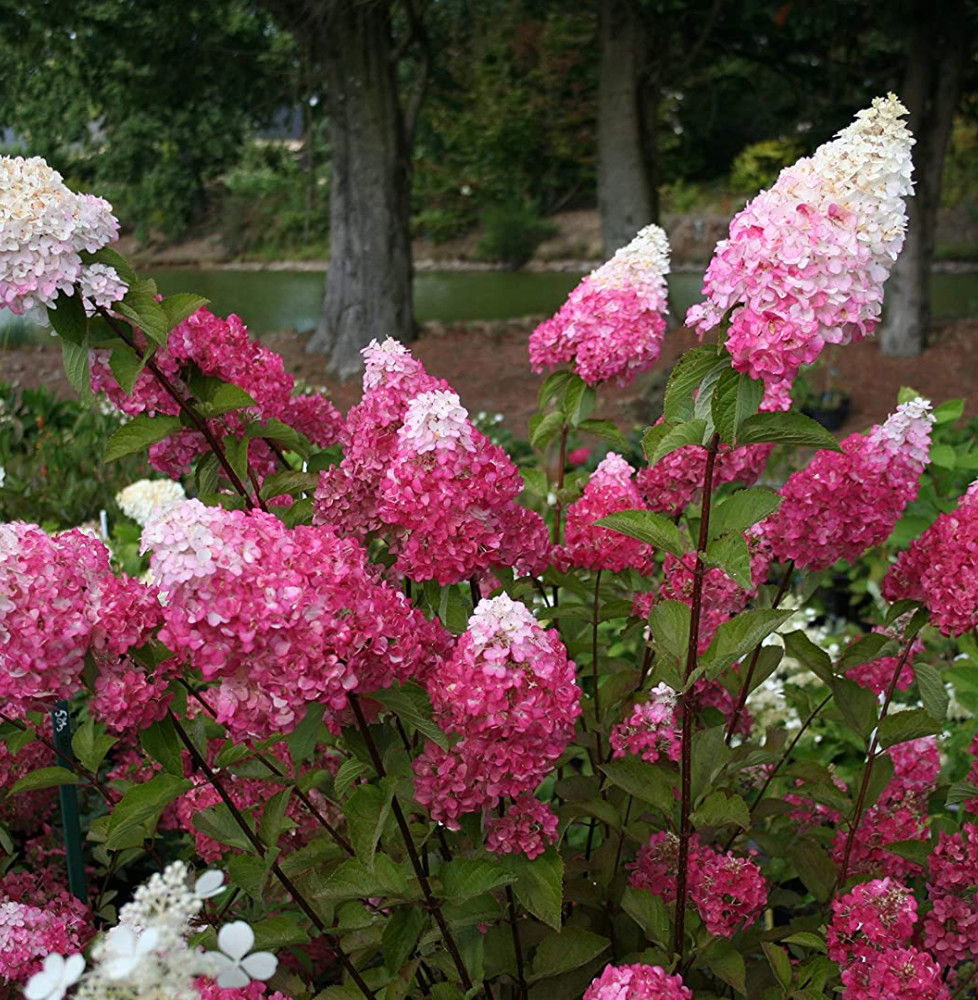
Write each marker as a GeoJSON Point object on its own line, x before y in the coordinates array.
{"type": "Point", "coordinates": [758, 165]}
{"type": "Point", "coordinates": [512, 233]}
{"type": "Point", "coordinates": [51, 453]}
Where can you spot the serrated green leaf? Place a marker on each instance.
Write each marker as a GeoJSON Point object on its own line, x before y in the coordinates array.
{"type": "Point", "coordinates": [643, 780]}
{"type": "Point", "coordinates": [142, 805]}
{"type": "Point", "coordinates": [961, 791]}
{"type": "Point", "coordinates": [786, 428]}
{"type": "Point", "coordinates": [140, 307]}
{"type": "Point", "coordinates": [679, 436]}
{"type": "Point", "coordinates": [304, 739]}
{"type": "Point", "coordinates": [250, 874]}
{"type": "Point", "coordinates": [75, 358]}
{"type": "Point", "coordinates": [866, 648]}
{"type": "Point", "coordinates": [181, 306]}
{"type": "Point", "coordinates": [366, 812]}
{"type": "Point", "coordinates": [354, 880]}
{"type": "Point", "coordinates": [669, 622]}
{"type": "Point", "coordinates": [140, 433]}
{"type": "Point", "coordinates": [857, 705]}
{"type": "Point", "coordinates": [552, 385]}
{"type": "Point", "coordinates": [214, 397]}
{"type": "Point", "coordinates": [45, 777]}
{"type": "Point", "coordinates": [720, 809]}
{"type": "Point", "coordinates": [902, 727]}
{"type": "Point", "coordinates": [349, 771]}
{"type": "Point", "coordinates": [291, 483]}
{"type": "Point", "coordinates": [274, 821]}
{"type": "Point", "coordinates": [90, 744]}
{"type": "Point", "coordinates": [274, 430]}
{"type": "Point", "coordinates": [737, 637]}
{"type": "Point", "coordinates": [650, 913]}
{"type": "Point", "coordinates": [807, 940]}
{"type": "Point", "coordinates": [727, 964]}
{"type": "Point", "coordinates": [236, 452]}
{"type": "Point", "coordinates": [219, 824]}
{"type": "Point", "coordinates": [411, 704]}
{"type": "Point", "coordinates": [569, 949]}
{"type": "Point", "coordinates": [801, 648]}
{"type": "Point", "coordinates": [779, 961]}
{"type": "Point", "coordinates": [686, 378]}
{"type": "Point", "coordinates": [579, 400]}
{"type": "Point", "coordinates": [735, 399]}
{"type": "Point", "coordinates": [606, 430]}
{"type": "Point", "coordinates": [68, 318]}
{"type": "Point", "coordinates": [730, 553]}
{"type": "Point", "coordinates": [943, 456]}
{"type": "Point", "coordinates": [932, 691]}
{"type": "Point", "coordinates": [815, 868]}
{"type": "Point", "coordinates": [545, 426]}
{"type": "Point", "coordinates": [465, 878]}
{"type": "Point", "coordinates": [918, 851]}
{"type": "Point", "coordinates": [647, 526]}
{"type": "Point", "coordinates": [539, 884]}
{"type": "Point", "coordinates": [949, 412]}
{"type": "Point", "coordinates": [400, 936]}
{"type": "Point", "coordinates": [126, 366]}
{"type": "Point", "coordinates": [161, 742]}
{"type": "Point", "coordinates": [743, 509]}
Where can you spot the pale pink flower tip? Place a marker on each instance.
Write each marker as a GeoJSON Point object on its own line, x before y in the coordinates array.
{"type": "Point", "coordinates": [637, 982]}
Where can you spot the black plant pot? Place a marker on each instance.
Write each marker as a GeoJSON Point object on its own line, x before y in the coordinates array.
{"type": "Point", "coordinates": [831, 417]}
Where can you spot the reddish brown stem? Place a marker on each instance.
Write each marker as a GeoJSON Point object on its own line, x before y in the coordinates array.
{"type": "Point", "coordinates": [686, 757]}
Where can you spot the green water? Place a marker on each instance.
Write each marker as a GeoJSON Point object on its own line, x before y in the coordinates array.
{"type": "Point", "coordinates": [275, 300]}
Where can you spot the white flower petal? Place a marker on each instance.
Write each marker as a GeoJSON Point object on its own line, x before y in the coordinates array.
{"type": "Point", "coordinates": [74, 967]}
{"type": "Point", "coordinates": [236, 939]}
{"type": "Point", "coordinates": [233, 978]}
{"type": "Point", "coordinates": [260, 965]}
{"type": "Point", "coordinates": [209, 884]}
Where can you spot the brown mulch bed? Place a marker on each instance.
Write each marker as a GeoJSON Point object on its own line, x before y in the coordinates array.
{"type": "Point", "coordinates": [486, 363]}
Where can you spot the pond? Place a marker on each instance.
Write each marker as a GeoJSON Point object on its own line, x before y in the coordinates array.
{"type": "Point", "coordinates": [275, 300]}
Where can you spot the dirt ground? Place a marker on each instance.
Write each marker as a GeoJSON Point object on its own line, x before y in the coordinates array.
{"type": "Point", "coordinates": [486, 363]}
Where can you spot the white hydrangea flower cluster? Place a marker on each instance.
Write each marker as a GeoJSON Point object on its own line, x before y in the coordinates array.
{"type": "Point", "coordinates": [435, 420]}
{"type": "Point", "coordinates": [142, 499]}
{"type": "Point", "coordinates": [147, 956]}
{"type": "Point", "coordinates": [101, 286]}
{"type": "Point", "coordinates": [642, 263]}
{"type": "Point", "coordinates": [906, 431]}
{"type": "Point", "coordinates": [43, 229]}
{"type": "Point", "coordinates": [767, 702]}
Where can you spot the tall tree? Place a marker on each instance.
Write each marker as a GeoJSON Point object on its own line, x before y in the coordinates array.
{"type": "Point", "coordinates": [941, 40]}
{"type": "Point", "coordinates": [357, 45]}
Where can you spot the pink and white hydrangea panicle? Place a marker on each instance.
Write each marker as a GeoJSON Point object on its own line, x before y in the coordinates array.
{"type": "Point", "coordinates": [448, 497]}
{"type": "Point", "coordinates": [951, 927]}
{"type": "Point", "coordinates": [527, 827]}
{"type": "Point", "coordinates": [612, 324]}
{"type": "Point", "coordinates": [44, 228]}
{"type": "Point", "coordinates": [651, 731]}
{"type": "Point", "coordinates": [610, 489]}
{"type": "Point", "coordinates": [348, 494]}
{"type": "Point", "coordinates": [729, 892]}
{"type": "Point", "coordinates": [805, 261]}
{"type": "Point", "coordinates": [940, 569]}
{"type": "Point", "coordinates": [511, 695]}
{"type": "Point", "coordinates": [59, 600]}
{"type": "Point", "coordinates": [845, 502]}
{"type": "Point", "coordinates": [101, 287]}
{"type": "Point", "coordinates": [871, 918]}
{"type": "Point", "coordinates": [280, 618]}
{"type": "Point", "coordinates": [637, 982]}
{"type": "Point", "coordinates": [657, 863]}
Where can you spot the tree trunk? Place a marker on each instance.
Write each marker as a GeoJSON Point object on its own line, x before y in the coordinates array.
{"type": "Point", "coordinates": [624, 191]}
{"type": "Point", "coordinates": [932, 84]}
{"type": "Point", "coordinates": [368, 285]}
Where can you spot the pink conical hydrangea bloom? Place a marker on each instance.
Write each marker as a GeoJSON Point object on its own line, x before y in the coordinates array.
{"type": "Point", "coordinates": [845, 502]}
{"type": "Point", "coordinates": [450, 493]}
{"type": "Point", "coordinates": [511, 695]}
{"type": "Point", "coordinates": [729, 892]}
{"type": "Point", "coordinates": [637, 982]}
{"type": "Point", "coordinates": [281, 618]}
{"type": "Point", "coordinates": [805, 261]}
{"type": "Point", "coordinates": [612, 324]}
{"type": "Point", "coordinates": [869, 919]}
{"type": "Point", "coordinates": [941, 568]}
{"type": "Point", "coordinates": [652, 730]}
{"type": "Point", "coordinates": [609, 490]}
{"type": "Point", "coordinates": [526, 827]}
{"type": "Point", "coordinates": [44, 228]}
{"type": "Point", "coordinates": [223, 349]}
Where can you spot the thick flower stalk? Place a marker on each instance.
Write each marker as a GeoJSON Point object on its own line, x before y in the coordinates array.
{"type": "Point", "coordinates": [280, 618]}
{"type": "Point", "coordinates": [941, 569]}
{"type": "Point", "coordinates": [845, 502]}
{"type": "Point", "coordinates": [59, 600]}
{"type": "Point", "coordinates": [510, 695]}
{"type": "Point", "coordinates": [610, 489]}
{"type": "Point", "coordinates": [44, 229]}
{"type": "Point", "coordinates": [805, 261]}
{"type": "Point", "coordinates": [612, 324]}
{"type": "Point", "coordinates": [220, 348]}
{"type": "Point", "coordinates": [450, 496]}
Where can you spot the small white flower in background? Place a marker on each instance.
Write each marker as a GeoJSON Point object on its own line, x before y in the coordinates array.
{"type": "Point", "coordinates": [236, 968]}
{"type": "Point", "coordinates": [3, 475]}
{"type": "Point", "coordinates": [55, 978]}
{"type": "Point", "coordinates": [141, 499]}
{"type": "Point", "coordinates": [210, 884]}
{"type": "Point", "coordinates": [124, 951]}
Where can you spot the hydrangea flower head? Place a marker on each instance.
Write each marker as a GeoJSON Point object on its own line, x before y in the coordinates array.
{"type": "Point", "coordinates": [637, 982]}
{"type": "Point", "coordinates": [869, 919]}
{"type": "Point", "coordinates": [526, 827]}
{"type": "Point", "coordinates": [139, 500]}
{"type": "Point", "coordinates": [44, 228]}
{"type": "Point", "coordinates": [805, 261]}
{"type": "Point", "coordinates": [941, 568]}
{"type": "Point", "coordinates": [612, 324]}
{"type": "Point", "coordinates": [845, 502]}
{"type": "Point", "coordinates": [651, 731]}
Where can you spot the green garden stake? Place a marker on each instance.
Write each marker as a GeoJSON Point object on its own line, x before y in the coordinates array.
{"type": "Point", "coordinates": [68, 799]}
